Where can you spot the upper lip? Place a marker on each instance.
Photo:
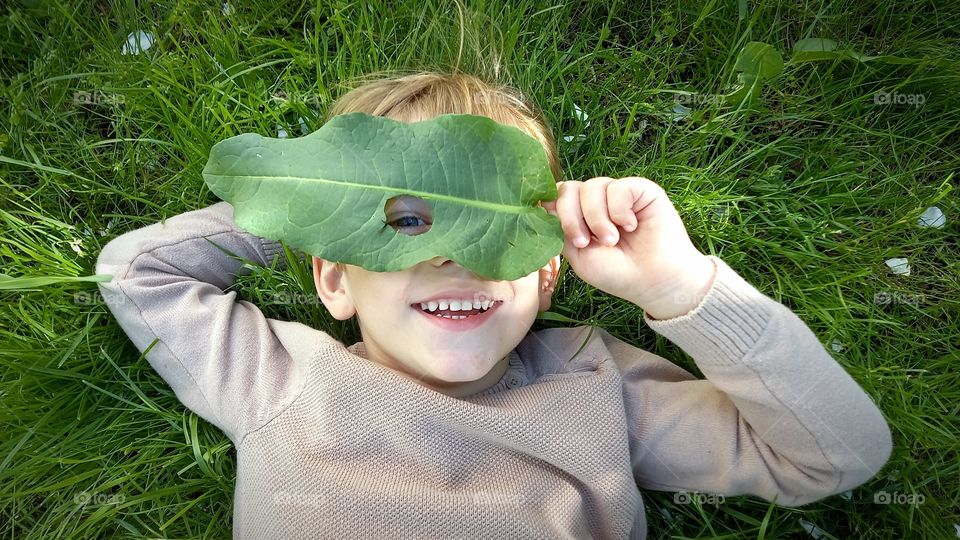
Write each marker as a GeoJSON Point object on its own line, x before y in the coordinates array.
{"type": "Point", "coordinates": [460, 294]}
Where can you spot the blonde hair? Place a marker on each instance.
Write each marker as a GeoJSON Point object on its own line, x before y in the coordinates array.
{"type": "Point", "coordinates": [426, 95]}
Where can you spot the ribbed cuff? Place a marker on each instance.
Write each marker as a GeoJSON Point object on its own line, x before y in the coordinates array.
{"type": "Point", "coordinates": [725, 325]}
{"type": "Point", "coordinates": [272, 248]}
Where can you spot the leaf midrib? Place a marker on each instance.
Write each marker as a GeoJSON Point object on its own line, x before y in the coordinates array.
{"type": "Point", "coordinates": [497, 207]}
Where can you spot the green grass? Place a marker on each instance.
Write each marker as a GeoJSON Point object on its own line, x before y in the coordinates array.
{"type": "Point", "coordinates": [805, 195]}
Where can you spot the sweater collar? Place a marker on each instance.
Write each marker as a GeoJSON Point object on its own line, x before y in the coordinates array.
{"type": "Point", "coordinates": [515, 376]}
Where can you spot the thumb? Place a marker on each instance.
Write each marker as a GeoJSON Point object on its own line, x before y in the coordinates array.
{"type": "Point", "coordinates": [571, 253]}
{"type": "Point", "coordinates": [550, 207]}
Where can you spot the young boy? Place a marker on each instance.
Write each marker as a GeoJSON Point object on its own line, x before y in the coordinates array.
{"type": "Point", "coordinates": [441, 427]}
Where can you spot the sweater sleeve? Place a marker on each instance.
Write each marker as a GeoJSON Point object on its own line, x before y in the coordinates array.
{"type": "Point", "coordinates": [221, 356]}
{"type": "Point", "coordinates": [776, 416]}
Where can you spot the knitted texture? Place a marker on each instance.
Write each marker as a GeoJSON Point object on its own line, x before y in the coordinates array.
{"type": "Point", "coordinates": [333, 445]}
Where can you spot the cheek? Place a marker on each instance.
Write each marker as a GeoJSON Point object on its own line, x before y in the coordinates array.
{"type": "Point", "coordinates": [377, 295]}
{"type": "Point", "coordinates": [526, 294]}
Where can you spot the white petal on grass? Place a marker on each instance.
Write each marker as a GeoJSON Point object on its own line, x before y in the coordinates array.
{"type": "Point", "coordinates": [77, 246]}
{"type": "Point", "coordinates": [581, 115]}
{"type": "Point", "coordinates": [836, 345]}
{"type": "Point", "coordinates": [847, 495]}
{"type": "Point", "coordinates": [680, 112]}
{"type": "Point", "coordinates": [137, 42]}
{"type": "Point", "coordinates": [900, 266]}
{"type": "Point", "coordinates": [957, 527]}
{"type": "Point", "coordinates": [282, 131]}
{"type": "Point", "coordinates": [219, 66]}
{"type": "Point", "coordinates": [932, 217]}
{"type": "Point", "coordinates": [812, 530]}
{"type": "Point", "coordinates": [227, 9]}
{"type": "Point", "coordinates": [103, 232]}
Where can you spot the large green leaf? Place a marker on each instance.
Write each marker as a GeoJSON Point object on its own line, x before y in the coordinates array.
{"type": "Point", "coordinates": [325, 193]}
{"type": "Point", "coordinates": [759, 59]}
{"type": "Point", "coordinates": [756, 63]}
{"type": "Point", "coordinates": [811, 49]}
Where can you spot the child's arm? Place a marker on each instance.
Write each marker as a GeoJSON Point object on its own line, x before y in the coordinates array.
{"type": "Point", "coordinates": [222, 357]}
{"type": "Point", "coordinates": [777, 416]}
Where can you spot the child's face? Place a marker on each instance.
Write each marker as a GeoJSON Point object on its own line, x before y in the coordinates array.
{"type": "Point", "coordinates": [456, 357]}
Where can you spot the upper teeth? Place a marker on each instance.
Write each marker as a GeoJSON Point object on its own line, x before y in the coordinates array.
{"type": "Point", "coordinates": [455, 305]}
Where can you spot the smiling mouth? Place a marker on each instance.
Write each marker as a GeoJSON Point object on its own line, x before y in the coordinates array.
{"type": "Point", "coordinates": [456, 314]}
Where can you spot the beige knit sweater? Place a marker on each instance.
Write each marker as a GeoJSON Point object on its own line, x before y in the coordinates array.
{"type": "Point", "coordinates": [332, 445]}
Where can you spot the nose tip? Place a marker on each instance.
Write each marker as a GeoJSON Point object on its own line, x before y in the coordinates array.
{"type": "Point", "coordinates": [439, 261]}
{"type": "Point", "coordinates": [451, 265]}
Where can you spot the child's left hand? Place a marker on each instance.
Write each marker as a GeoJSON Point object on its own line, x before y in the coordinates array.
{"type": "Point", "coordinates": [648, 258]}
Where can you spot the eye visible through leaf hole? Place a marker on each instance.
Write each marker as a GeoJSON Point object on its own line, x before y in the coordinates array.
{"type": "Point", "coordinates": [408, 214]}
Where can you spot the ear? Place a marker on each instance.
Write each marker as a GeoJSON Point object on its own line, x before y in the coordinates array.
{"type": "Point", "coordinates": [548, 281]}
{"type": "Point", "coordinates": [330, 281]}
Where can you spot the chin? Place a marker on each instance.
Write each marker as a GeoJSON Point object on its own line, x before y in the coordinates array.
{"type": "Point", "coordinates": [460, 369]}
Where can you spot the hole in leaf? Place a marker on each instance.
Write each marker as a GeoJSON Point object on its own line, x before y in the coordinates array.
{"type": "Point", "coordinates": [408, 214]}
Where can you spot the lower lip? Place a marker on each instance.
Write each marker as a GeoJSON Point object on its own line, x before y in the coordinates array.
{"type": "Point", "coordinates": [459, 325]}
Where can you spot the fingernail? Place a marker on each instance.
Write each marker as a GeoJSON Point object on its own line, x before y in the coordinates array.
{"type": "Point", "coordinates": [580, 241]}
{"type": "Point", "coordinates": [610, 239]}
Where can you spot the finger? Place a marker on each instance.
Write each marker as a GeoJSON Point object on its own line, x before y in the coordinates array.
{"type": "Point", "coordinates": [550, 207]}
{"type": "Point", "coordinates": [571, 217]}
{"type": "Point", "coordinates": [643, 192]}
{"type": "Point", "coordinates": [620, 198]}
{"type": "Point", "coordinates": [593, 202]}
